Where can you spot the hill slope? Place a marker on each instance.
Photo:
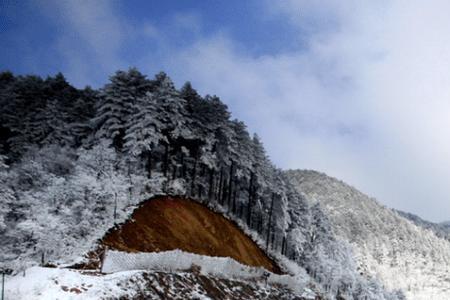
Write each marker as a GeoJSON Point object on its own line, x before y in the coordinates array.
{"type": "Point", "coordinates": [75, 162]}
{"type": "Point", "coordinates": [227, 263]}
{"type": "Point", "coordinates": [54, 283]}
{"type": "Point", "coordinates": [388, 246]}
{"type": "Point", "coordinates": [168, 223]}
{"type": "Point", "coordinates": [442, 230]}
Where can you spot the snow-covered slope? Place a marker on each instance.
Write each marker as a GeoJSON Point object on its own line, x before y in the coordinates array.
{"type": "Point", "coordinates": [441, 229]}
{"type": "Point", "coordinates": [387, 245]}
{"type": "Point", "coordinates": [168, 275]}
{"type": "Point", "coordinates": [46, 283]}
{"type": "Point", "coordinates": [73, 163]}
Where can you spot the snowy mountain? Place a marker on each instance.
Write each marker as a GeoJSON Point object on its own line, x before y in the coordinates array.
{"type": "Point", "coordinates": [399, 252]}
{"type": "Point", "coordinates": [75, 163]}
{"type": "Point", "coordinates": [442, 230]}
{"type": "Point", "coordinates": [445, 225]}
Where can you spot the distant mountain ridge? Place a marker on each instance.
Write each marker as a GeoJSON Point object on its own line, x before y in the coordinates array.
{"type": "Point", "coordinates": [440, 229]}
{"type": "Point", "coordinates": [388, 245]}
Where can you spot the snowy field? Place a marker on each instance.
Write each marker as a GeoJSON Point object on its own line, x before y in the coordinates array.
{"type": "Point", "coordinates": [55, 283]}
{"type": "Point", "coordinates": [127, 278]}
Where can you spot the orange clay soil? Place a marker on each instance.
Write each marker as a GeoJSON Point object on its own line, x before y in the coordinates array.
{"type": "Point", "coordinates": [167, 223]}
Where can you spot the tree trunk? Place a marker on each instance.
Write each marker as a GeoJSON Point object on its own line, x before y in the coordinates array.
{"type": "Point", "coordinates": [149, 164]}
{"type": "Point", "coordinates": [115, 206]}
{"type": "Point", "coordinates": [234, 199]}
{"type": "Point", "coordinates": [166, 159]}
{"type": "Point", "coordinates": [269, 225]}
{"type": "Point", "coordinates": [211, 184]}
{"type": "Point", "coordinates": [273, 240]}
{"type": "Point", "coordinates": [200, 191]}
{"type": "Point", "coordinates": [230, 183]}
{"type": "Point", "coordinates": [202, 170]}
{"type": "Point", "coordinates": [249, 213]}
{"type": "Point", "coordinates": [224, 191]}
{"type": "Point", "coordinates": [183, 167]}
{"type": "Point", "coordinates": [250, 199]}
{"type": "Point", "coordinates": [131, 182]}
{"type": "Point", "coordinates": [220, 186]}
{"type": "Point", "coordinates": [194, 174]}
{"type": "Point", "coordinates": [174, 171]}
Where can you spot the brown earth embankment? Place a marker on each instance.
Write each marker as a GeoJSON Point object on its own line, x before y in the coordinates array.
{"type": "Point", "coordinates": [167, 223]}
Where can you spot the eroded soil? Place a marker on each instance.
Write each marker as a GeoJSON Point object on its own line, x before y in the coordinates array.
{"type": "Point", "coordinates": [168, 223]}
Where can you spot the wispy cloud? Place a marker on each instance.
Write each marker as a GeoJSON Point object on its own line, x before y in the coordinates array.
{"type": "Point", "coordinates": [366, 99]}
{"type": "Point", "coordinates": [364, 96]}
{"type": "Point", "coordinates": [91, 36]}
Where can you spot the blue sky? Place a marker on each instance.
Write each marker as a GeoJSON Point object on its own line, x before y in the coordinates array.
{"type": "Point", "coordinates": [357, 90]}
{"type": "Point", "coordinates": [32, 32]}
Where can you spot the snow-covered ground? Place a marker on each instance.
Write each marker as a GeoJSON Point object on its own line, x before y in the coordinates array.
{"type": "Point", "coordinates": [176, 260]}
{"type": "Point", "coordinates": [155, 274]}
{"type": "Point", "coordinates": [56, 283]}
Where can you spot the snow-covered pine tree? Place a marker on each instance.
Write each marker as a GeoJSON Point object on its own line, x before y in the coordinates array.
{"type": "Point", "coordinates": [25, 99]}
{"type": "Point", "coordinates": [7, 82]}
{"type": "Point", "coordinates": [143, 130]}
{"type": "Point", "coordinates": [81, 113]}
{"type": "Point", "coordinates": [35, 111]}
{"type": "Point", "coordinates": [116, 105]}
{"type": "Point", "coordinates": [56, 123]}
{"type": "Point", "coordinates": [172, 114]}
{"type": "Point", "coordinates": [172, 108]}
{"type": "Point", "coordinates": [6, 194]}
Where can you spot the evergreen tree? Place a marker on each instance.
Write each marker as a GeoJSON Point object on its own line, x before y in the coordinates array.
{"type": "Point", "coordinates": [172, 108]}
{"type": "Point", "coordinates": [117, 105]}
{"type": "Point", "coordinates": [55, 121]}
{"type": "Point", "coordinates": [81, 114]}
{"type": "Point", "coordinates": [7, 197]}
{"type": "Point", "coordinates": [22, 114]}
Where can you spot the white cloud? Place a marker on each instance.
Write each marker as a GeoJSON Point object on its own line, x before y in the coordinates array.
{"type": "Point", "coordinates": [365, 97]}
{"type": "Point", "coordinates": [91, 36]}
{"type": "Point", "coordinates": [367, 100]}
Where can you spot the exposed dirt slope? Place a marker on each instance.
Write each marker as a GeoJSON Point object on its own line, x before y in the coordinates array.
{"type": "Point", "coordinates": [168, 223]}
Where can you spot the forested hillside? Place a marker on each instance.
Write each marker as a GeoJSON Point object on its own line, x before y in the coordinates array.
{"type": "Point", "coordinates": [75, 162]}
{"type": "Point", "coordinates": [440, 229]}
{"type": "Point", "coordinates": [388, 246]}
